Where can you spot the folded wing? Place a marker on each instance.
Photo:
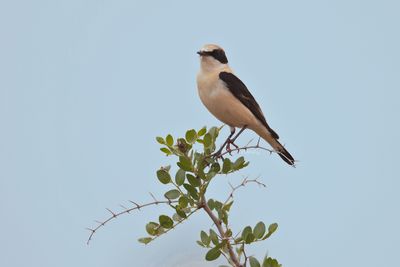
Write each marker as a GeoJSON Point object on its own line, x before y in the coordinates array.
{"type": "Point", "coordinates": [240, 91]}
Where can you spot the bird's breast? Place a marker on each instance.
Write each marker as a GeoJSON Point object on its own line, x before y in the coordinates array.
{"type": "Point", "coordinates": [209, 89]}
{"type": "Point", "coordinates": [221, 103]}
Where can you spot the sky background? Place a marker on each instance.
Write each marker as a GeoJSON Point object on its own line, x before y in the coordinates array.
{"type": "Point", "coordinates": [86, 86]}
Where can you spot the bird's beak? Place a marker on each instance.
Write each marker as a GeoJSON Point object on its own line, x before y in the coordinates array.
{"type": "Point", "coordinates": [200, 53]}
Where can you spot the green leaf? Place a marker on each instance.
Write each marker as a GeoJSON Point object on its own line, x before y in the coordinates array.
{"type": "Point", "coordinates": [259, 230]}
{"type": "Point", "coordinates": [210, 175]}
{"type": "Point", "coordinates": [217, 205]}
{"type": "Point", "coordinates": [172, 194]}
{"type": "Point", "coordinates": [238, 164]}
{"type": "Point", "coordinates": [223, 216]}
{"type": "Point", "coordinates": [183, 202]}
{"type": "Point", "coordinates": [214, 132]}
{"type": "Point", "coordinates": [227, 206]}
{"type": "Point", "coordinates": [160, 230]}
{"type": "Point", "coordinates": [202, 131]}
{"type": "Point", "coordinates": [191, 202]}
{"type": "Point", "coordinates": [165, 221]}
{"type": "Point", "coordinates": [191, 136]}
{"type": "Point", "coordinates": [180, 177]}
{"type": "Point", "coordinates": [270, 262]}
{"type": "Point", "coordinates": [271, 229]}
{"type": "Point", "coordinates": [211, 203]}
{"type": "Point", "coordinates": [205, 238]}
{"type": "Point", "coordinates": [185, 164]}
{"type": "Point", "coordinates": [249, 238]}
{"type": "Point", "coordinates": [214, 237]}
{"type": "Point", "coordinates": [151, 228]}
{"type": "Point", "coordinates": [176, 217]}
{"type": "Point", "coordinates": [254, 262]}
{"type": "Point", "coordinates": [163, 176]}
{"type": "Point", "coordinates": [145, 240]}
{"type": "Point", "coordinates": [166, 151]}
{"type": "Point", "coordinates": [207, 141]}
{"type": "Point", "coordinates": [227, 166]}
{"type": "Point", "coordinates": [200, 244]}
{"type": "Point", "coordinates": [246, 231]}
{"type": "Point", "coordinates": [215, 167]}
{"type": "Point", "coordinates": [201, 165]}
{"type": "Point", "coordinates": [192, 191]}
{"type": "Point", "coordinates": [181, 212]}
{"type": "Point", "coordinates": [213, 254]}
{"type": "Point", "coordinates": [160, 140]}
{"type": "Point", "coordinates": [193, 180]}
{"type": "Point", "coordinates": [200, 172]}
{"type": "Point", "coordinates": [170, 140]}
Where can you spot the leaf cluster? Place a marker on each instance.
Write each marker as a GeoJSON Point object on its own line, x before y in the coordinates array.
{"type": "Point", "coordinates": [187, 184]}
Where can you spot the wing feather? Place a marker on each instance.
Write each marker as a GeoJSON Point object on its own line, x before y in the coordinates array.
{"type": "Point", "coordinates": [240, 91]}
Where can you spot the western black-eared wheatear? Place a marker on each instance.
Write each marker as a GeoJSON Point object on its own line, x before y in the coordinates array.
{"type": "Point", "coordinates": [229, 100]}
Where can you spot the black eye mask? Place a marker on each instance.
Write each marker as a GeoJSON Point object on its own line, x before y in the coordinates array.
{"type": "Point", "coordinates": [218, 54]}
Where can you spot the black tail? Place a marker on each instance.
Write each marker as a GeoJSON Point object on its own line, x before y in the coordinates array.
{"type": "Point", "coordinates": [284, 154]}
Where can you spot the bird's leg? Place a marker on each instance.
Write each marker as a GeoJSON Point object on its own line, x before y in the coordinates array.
{"type": "Point", "coordinates": [227, 141]}
{"type": "Point", "coordinates": [232, 141]}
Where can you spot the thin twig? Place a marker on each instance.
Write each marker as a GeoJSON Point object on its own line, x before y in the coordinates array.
{"type": "Point", "coordinates": [245, 256]}
{"type": "Point", "coordinates": [218, 224]}
{"type": "Point", "coordinates": [243, 184]}
{"type": "Point", "coordinates": [245, 148]}
{"type": "Point", "coordinates": [125, 211]}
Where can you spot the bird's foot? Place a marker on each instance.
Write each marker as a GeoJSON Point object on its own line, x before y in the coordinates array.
{"type": "Point", "coordinates": [228, 147]}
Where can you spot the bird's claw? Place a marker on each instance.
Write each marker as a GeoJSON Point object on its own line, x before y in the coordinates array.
{"type": "Point", "coordinates": [228, 147]}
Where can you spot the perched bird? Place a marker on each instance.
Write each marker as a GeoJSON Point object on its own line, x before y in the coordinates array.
{"type": "Point", "coordinates": [229, 100]}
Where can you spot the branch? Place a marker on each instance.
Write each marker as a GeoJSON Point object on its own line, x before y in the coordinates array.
{"type": "Point", "coordinates": [243, 184]}
{"type": "Point", "coordinates": [125, 211]}
{"type": "Point", "coordinates": [248, 146]}
{"type": "Point", "coordinates": [218, 224]}
{"type": "Point", "coordinates": [245, 148]}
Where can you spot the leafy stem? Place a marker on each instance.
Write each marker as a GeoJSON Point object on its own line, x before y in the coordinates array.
{"type": "Point", "coordinates": [196, 167]}
{"type": "Point", "coordinates": [218, 223]}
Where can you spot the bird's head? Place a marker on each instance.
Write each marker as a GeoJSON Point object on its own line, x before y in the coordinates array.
{"type": "Point", "coordinates": [212, 57]}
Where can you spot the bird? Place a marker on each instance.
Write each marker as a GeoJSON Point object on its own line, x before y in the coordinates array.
{"type": "Point", "coordinates": [229, 100]}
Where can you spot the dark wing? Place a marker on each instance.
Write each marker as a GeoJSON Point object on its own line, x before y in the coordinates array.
{"type": "Point", "coordinates": [240, 91]}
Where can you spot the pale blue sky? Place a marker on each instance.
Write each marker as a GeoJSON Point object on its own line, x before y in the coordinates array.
{"type": "Point", "coordinates": [85, 86]}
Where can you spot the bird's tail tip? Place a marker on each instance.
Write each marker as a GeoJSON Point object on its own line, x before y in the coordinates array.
{"type": "Point", "coordinates": [287, 158]}
{"type": "Point", "coordinates": [285, 155]}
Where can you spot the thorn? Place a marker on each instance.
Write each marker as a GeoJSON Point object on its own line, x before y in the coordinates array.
{"type": "Point", "coordinates": [136, 204]}
{"type": "Point", "coordinates": [91, 230]}
{"type": "Point", "coordinates": [248, 143]}
{"type": "Point", "coordinates": [125, 208]}
{"type": "Point", "coordinates": [231, 185]}
{"type": "Point", "coordinates": [153, 198]}
{"type": "Point", "coordinates": [113, 214]}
